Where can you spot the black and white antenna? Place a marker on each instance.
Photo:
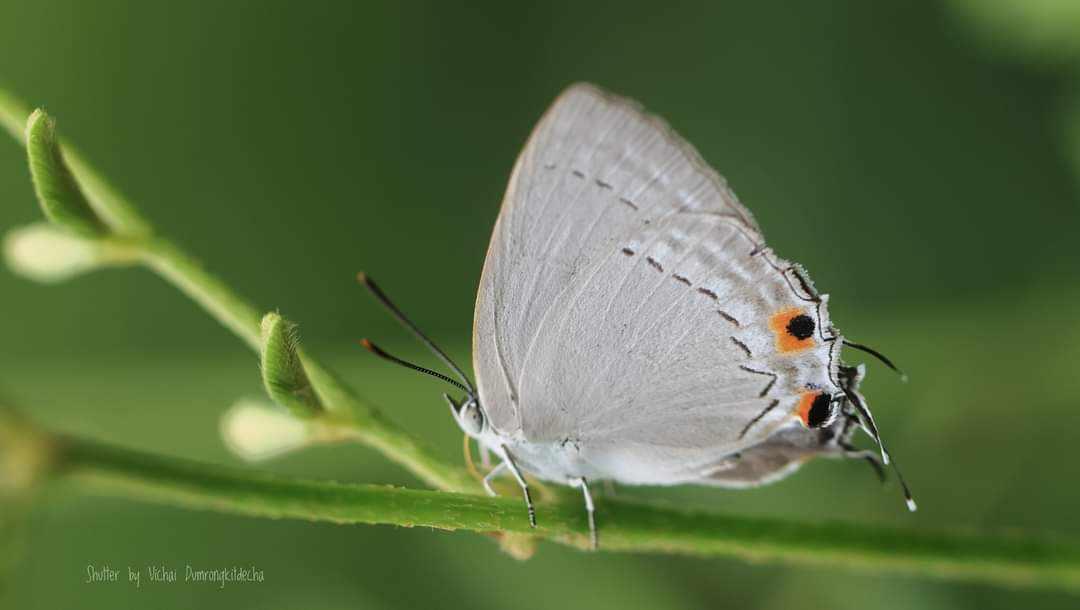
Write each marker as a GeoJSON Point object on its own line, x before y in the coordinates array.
{"type": "Point", "coordinates": [465, 384]}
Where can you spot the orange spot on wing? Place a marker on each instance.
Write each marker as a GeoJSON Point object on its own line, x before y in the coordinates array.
{"type": "Point", "coordinates": [802, 408]}
{"type": "Point", "coordinates": [786, 343]}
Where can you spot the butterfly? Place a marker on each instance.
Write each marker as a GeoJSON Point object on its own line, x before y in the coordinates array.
{"type": "Point", "coordinates": [632, 325]}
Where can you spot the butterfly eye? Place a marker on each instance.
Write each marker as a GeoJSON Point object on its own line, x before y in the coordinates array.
{"type": "Point", "coordinates": [471, 418]}
{"type": "Point", "coordinates": [815, 409]}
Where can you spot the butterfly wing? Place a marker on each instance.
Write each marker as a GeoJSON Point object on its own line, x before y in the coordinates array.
{"type": "Point", "coordinates": [773, 459]}
{"type": "Point", "coordinates": [628, 309]}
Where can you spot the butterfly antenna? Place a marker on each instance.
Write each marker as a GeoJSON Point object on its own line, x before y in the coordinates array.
{"type": "Point", "coordinates": [378, 351]}
{"type": "Point", "coordinates": [407, 323]}
{"type": "Point", "coordinates": [882, 357]}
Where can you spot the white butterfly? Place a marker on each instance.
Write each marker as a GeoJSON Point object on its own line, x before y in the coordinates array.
{"type": "Point", "coordinates": [631, 324]}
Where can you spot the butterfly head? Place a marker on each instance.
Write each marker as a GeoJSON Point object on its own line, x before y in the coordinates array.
{"type": "Point", "coordinates": [469, 415]}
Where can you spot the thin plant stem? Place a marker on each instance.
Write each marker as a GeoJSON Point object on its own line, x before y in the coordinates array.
{"type": "Point", "coordinates": [624, 525]}
{"type": "Point", "coordinates": [354, 419]}
{"type": "Point", "coordinates": [212, 294]}
{"type": "Point", "coordinates": [241, 317]}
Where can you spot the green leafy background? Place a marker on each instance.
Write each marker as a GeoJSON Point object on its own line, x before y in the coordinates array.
{"type": "Point", "coordinates": [920, 160]}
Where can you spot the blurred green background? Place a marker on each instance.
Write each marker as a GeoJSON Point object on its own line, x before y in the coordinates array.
{"type": "Point", "coordinates": [921, 160]}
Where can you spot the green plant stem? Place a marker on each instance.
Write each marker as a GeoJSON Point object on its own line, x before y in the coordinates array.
{"type": "Point", "coordinates": [13, 115]}
{"type": "Point", "coordinates": [624, 525]}
{"type": "Point", "coordinates": [365, 424]}
{"type": "Point", "coordinates": [354, 419]}
{"type": "Point", "coordinates": [213, 295]}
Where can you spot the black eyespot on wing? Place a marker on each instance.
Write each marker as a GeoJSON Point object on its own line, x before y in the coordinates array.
{"type": "Point", "coordinates": [819, 411]}
{"type": "Point", "coordinates": [801, 326]}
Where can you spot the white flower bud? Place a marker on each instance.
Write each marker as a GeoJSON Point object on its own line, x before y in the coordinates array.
{"type": "Point", "coordinates": [257, 431]}
{"type": "Point", "coordinates": [48, 253]}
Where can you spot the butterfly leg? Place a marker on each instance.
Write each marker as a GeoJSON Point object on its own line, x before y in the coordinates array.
{"type": "Point", "coordinates": [496, 471]}
{"type": "Point", "coordinates": [590, 509]}
{"type": "Point", "coordinates": [871, 458]}
{"type": "Point", "coordinates": [509, 463]}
